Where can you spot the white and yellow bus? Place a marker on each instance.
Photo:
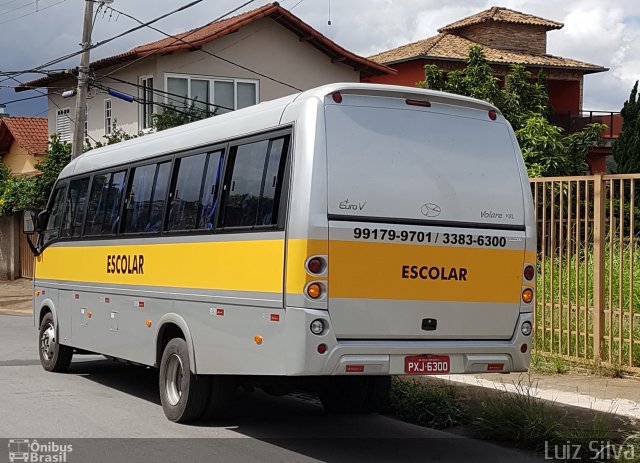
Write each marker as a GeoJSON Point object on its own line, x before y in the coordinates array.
{"type": "Point", "coordinates": [330, 239]}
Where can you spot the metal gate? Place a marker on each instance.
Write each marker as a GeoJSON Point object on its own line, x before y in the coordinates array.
{"type": "Point", "coordinates": [588, 303]}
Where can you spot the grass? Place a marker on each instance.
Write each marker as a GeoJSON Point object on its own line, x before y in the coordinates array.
{"type": "Point", "coordinates": [519, 419]}
{"type": "Point", "coordinates": [432, 406]}
{"type": "Point", "coordinates": [552, 364]}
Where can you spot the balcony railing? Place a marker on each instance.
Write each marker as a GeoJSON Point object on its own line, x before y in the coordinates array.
{"type": "Point", "coordinates": [573, 122]}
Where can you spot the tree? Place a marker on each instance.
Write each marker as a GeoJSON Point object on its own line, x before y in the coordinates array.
{"type": "Point", "coordinates": [173, 117]}
{"type": "Point", "coordinates": [525, 104]}
{"type": "Point", "coordinates": [626, 149]}
{"type": "Point", "coordinates": [19, 193]}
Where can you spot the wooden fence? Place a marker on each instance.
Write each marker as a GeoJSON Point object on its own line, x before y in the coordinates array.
{"type": "Point", "coordinates": [588, 301]}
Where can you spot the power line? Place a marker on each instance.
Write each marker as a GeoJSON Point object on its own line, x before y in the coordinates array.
{"type": "Point", "coordinates": [103, 42]}
{"type": "Point", "coordinates": [180, 39]}
{"type": "Point", "coordinates": [16, 9]}
{"type": "Point", "coordinates": [33, 12]}
{"type": "Point", "coordinates": [178, 98]}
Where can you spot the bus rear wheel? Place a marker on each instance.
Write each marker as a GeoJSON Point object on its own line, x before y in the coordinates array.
{"type": "Point", "coordinates": [183, 395]}
{"type": "Point", "coordinates": [53, 356]}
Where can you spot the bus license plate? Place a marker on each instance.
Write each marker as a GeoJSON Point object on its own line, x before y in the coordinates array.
{"type": "Point", "coordinates": [426, 364]}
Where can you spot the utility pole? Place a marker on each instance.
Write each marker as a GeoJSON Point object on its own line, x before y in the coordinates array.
{"type": "Point", "coordinates": [83, 82]}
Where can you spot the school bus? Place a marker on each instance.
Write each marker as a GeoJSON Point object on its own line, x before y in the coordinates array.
{"type": "Point", "coordinates": [327, 240]}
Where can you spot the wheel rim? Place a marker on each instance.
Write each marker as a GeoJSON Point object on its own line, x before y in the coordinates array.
{"type": "Point", "coordinates": [173, 382]}
{"type": "Point", "coordinates": [48, 342]}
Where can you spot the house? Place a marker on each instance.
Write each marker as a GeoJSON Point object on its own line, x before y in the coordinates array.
{"type": "Point", "coordinates": [507, 36]}
{"type": "Point", "coordinates": [23, 143]}
{"type": "Point", "coordinates": [259, 55]}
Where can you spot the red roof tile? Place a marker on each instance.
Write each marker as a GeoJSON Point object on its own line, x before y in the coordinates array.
{"type": "Point", "coordinates": [195, 38]}
{"type": "Point", "coordinates": [31, 133]}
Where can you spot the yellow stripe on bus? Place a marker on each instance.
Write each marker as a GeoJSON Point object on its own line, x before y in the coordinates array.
{"type": "Point", "coordinates": [372, 270]}
{"type": "Point", "coordinates": [233, 265]}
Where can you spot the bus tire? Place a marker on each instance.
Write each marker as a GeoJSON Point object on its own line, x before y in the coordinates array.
{"type": "Point", "coordinates": [53, 356]}
{"type": "Point", "coordinates": [183, 395]}
{"type": "Point", "coordinates": [344, 394]}
{"type": "Point", "coordinates": [377, 394]}
{"type": "Point", "coordinates": [221, 392]}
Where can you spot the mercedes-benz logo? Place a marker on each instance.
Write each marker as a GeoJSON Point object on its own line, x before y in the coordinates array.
{"type": "Point", "coordinates": [431, 210]}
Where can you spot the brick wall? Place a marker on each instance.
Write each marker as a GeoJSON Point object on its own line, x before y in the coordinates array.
{"type": "Point", "coordinates": [507, 36]}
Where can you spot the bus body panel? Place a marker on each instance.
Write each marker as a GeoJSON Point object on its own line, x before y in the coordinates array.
{"type": "Point", "coordinates": [242, 295]}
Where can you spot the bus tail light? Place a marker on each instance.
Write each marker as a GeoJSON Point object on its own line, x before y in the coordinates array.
{"type": "Point", "coordinates": [316, 265]}
{"type": "Point", "coordinates": [337, 97]}
{"type": "Point", "coordinates": [529, 272]}
{"type": "Point", "coordinates": [527, 295]}
{"type": "Point", "coordinates": [322, 348]}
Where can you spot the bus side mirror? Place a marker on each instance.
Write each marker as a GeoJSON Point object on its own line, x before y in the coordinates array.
{"type": "Point", "coordinates": [28, 222]}
{"type": "Point", "coordinates": [41, 221]}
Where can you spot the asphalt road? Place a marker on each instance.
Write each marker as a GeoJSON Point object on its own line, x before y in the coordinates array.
{"type": "Point", "coordinates": [116, 411]}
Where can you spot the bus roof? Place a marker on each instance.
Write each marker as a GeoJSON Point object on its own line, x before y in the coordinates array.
{"type": "Point", "coordinates": [253, 119]}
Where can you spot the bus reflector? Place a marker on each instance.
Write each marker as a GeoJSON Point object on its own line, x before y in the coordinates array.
{"type": "Point", "coordinates": [495, 366]}
{"type": "Point", "coordinates": [527, 295]}
{"type": "Point", "coordinates": [422, 103]}
{"type": "Point", "coordinates": [275, 317]}
{"type": "Point", "coordinates": [354, 369]}
{"type": "Point", "coordinates": [219, 311]}
{"type": "Point", "coordinates": [337, 97]}
{"type": "Point", "coordinates": [523, 348]}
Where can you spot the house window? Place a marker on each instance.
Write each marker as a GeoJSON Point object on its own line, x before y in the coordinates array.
{"type": "Point", "coordinates": [63, 124]}
{"type": "Point", "coordinates": [212, 94]}
{"type": "Point", "coordinates": [146, 106]}
{"type": "Point", "coordinates": [108, 119]}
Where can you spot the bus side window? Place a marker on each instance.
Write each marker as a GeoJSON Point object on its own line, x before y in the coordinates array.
{"type": "Point", "coordinates": [104, 204]}
{"type": "Point", "coordinates": [253, 184]}
{"type": "Point", "coordinates": [145, 206]}
{"type": "Point", "coordinates": [74, 208]}
{"type": "Point", "coordinates": [212, 180]}
{"type": "Point", "coordinates": [185, 206]}
{"type": "Point", "coordinates": [52, 230]}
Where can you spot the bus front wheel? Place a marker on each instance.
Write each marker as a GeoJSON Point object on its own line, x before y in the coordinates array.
{"type": "Point", "coordinates": [183, 394]}
{"type": "Point", "coordinates": [53, 356]}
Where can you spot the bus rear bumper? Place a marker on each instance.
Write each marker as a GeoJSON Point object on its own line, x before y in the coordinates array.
{"type": "Point", "coordinates": [389, 357]}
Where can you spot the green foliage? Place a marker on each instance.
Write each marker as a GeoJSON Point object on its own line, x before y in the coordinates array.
{"type": "Point", "coordinates": [58, 155]}
{"type": "Point", "coordinates": [18, 194]}
{"type": "Point", "coordinates": [525, 104]}
{"type": "Point", "coordinates": [626, 149]}
{"type": "Point", "coordinates": [173, 117]}
{"type": "Point", "coordinates": [5, 173]}
{"type": "Point", "coordinates": [426, 404]}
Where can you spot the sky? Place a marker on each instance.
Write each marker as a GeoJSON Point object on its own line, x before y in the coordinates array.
{"type": "Point", "coordinates": [603, 33]}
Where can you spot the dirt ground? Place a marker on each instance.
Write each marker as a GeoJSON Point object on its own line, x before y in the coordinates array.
{"type": "Point", "coordinates": [16, 297]}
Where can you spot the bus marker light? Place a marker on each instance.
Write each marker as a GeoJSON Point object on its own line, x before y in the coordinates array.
{"type": "Point", "coordinates": [36, 292]}
{"type": "Point", "coordinates": [89, 314]}
{"type": "Point", "coordinates": [354, 369]}
{"type": "Point", "coordinates": [523, 348]}
{"type": "Point", "coordinates": [148, 323]}
{"type": "Point", "coordinates": [337, 97]}
{"type": "Point", "coordinates": [422, 103]}
{"type": "Point", "coordinates": [275, 317]}
{"type": "Point", "coordinates": [495, 366]}
{"type": "Point", "coordinates": [258, 339]}
{"type": "Point", "coordinates": [493, 115]}
{"type": "Point", "coordinates": [220, 312]}
{"type": "Point", "coordinates": [527, 295]}
{"type": "Point", "coordinates": [107, 300]}
{"type": "Point", "coordinates": [314, 290]}
{"type": "Point", "coordinates": [322, 348]}
{"type": "Point", "coordinates": [76, 296]}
